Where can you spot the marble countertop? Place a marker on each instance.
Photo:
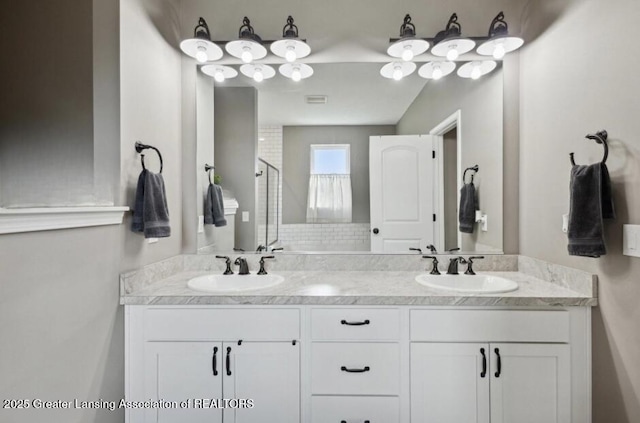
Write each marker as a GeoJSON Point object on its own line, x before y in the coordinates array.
{"type": "Point", "coordinates": [377, 287]}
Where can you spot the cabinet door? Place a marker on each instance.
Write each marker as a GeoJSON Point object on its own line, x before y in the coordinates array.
{"type": "Point", "coordinates": [449, 383]}
{"type": "Point", "coordinates": [183, 371]}
{"type": "Point", "coordinates": [530, 383]}
{"type": "Point", "coordinates": [268, 373]}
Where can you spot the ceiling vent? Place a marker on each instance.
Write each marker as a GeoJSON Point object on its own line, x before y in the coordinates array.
{"type": "Point", "coordinates": [316, 99]}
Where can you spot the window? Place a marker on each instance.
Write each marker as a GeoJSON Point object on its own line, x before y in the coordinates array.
{"type": "Point", "coordinates": [330, 159]}
{"type": "Point", "coordinates": [329, 199]}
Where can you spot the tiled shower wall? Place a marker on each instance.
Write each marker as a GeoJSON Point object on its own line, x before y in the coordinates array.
{"type": "Point", "coordinates": [302, 236]}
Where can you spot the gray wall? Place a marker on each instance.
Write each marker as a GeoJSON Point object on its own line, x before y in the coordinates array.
{"type": "Point", "coordinates": [236, 154]}
{"type": "Point", "coordinates": [296, 161]}
{"type": "Point", "coordinates": [59, 290]}
{"type": "Point", "coordinates": [47, 103]}
{"type": "Point", "coordinates": [577, 77]}
{"type": "Point", "coordinates": [482, 142]}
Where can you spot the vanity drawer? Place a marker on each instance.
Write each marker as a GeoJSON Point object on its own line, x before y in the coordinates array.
{"type": "Point", "coordinates": [489, 325]}
{"type": "Point", "coordinates": [355, 324]}
{"type": "Point", "coordinates": [355, 368]}
{"type": "Point", "coordinates": [355, 409]}
{"type": "Point", "coordinates": [200, 324]}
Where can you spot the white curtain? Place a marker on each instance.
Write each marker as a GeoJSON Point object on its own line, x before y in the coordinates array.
{"type": "Point", "coordinates": [329, 199]}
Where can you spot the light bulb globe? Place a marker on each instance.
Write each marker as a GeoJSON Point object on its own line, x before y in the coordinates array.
{"type": "Point", "coordinates": [258, 76]}
{"type": "Point", "coordinates": [296, 75]}
{"type": "Point", "coordinates": [499, 51]}
{"type": "Point", "coordinates": [476, 72]}
{"type": "Point", "coordinates": [290, 55]}
{"type": "Point", "coordinates": [452, 54]}
{"type": "Point", "coordinates": [219, 76]}
{"type": "Point", "coordinates": [437, 73]}
{"type": "Point", "coordinates": [407, 54]}
{"type": "Point", "coordinates": [201, 55]}
{"type": "Point", "coordinates": [246, 56]}
{"type": "Point", "coordinates": [397, 74]}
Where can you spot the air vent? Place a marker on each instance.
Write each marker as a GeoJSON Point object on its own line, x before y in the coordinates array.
{"type": "Point", "coordinates": [316, 99]}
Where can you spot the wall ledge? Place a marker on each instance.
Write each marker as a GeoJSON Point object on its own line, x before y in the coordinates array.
{"type": "Point", "coordinates": [49, 218]}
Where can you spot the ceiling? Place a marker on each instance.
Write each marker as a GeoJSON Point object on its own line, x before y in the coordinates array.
{"type": "Point", "coordinates": [357, 95]}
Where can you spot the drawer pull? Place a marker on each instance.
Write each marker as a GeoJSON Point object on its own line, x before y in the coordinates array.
{"type": "Point", "coordinates": [344, 322]}
{"type": "Point", "coordinates": [344, 421]}
{"type": "Point", "coordinates": [366, 369]}
{"type": "Point", "coordinates": [484, 363]}
{"type": "Point", "coordinates": [214, 361]}
{"type": "Point", "coordinates": [497, 351]}
{"type": "Point", "coordinates": [228, 361]}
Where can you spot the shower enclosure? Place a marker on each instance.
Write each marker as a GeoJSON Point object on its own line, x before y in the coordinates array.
{"type": "Point", "coordinates": [268, 203]}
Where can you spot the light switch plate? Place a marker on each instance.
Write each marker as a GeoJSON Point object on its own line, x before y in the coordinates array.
{"type": "Point", "coordinates": [245, 216]}
{"type": "Point", "coordinates": [565, 223]}
{"type": "Point", "coordinates": [200, 224]}
{"type": "Point", "coordinates": [152, 240]}
{"type": "Point", "coordinates": [631, 240]}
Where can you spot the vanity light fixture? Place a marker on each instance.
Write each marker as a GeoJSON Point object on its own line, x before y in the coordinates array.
{"type": "Point", "coordinates": [290, 47]}
{"type": "Point", "coordinates": [407, 46]}
{"type": "Point", "coordinates": [248, 47]}
{"type": "Point", "coordinates": [476, 69]}
{"type": "Point", "coordinates": [200, 46]}
{"type": "Point", "coordinates": [499, 42]}
{"type": "Point", "coordinates": [449, 43]}
{"type": "Point", "coordinates": [397, 70]}
{"type": "Point", "coordinates": [257, 72]}
{"type": "Point", "coordinates": [436, 70]}
{"type": "Point", "coordinates": [296, 71]}
{"type": "Point", "coordinates": [219, 72]}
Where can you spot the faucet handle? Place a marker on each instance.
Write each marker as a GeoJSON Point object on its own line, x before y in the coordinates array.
{"type": "Point", "coordinates": [434, 269]}
{"type": "Point", "coordinates": [416, 249]}
{"type": "Point", "coordinates": [228, 271]}
{"type": "Point", "coordinates": [432, 248]}
{"type": "Point", "coordinates": [470, 260]}
{"type": "Point", "coordinates": [262, 271]}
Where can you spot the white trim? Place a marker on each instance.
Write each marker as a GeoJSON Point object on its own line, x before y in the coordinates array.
{"type": "Point", "coordinates": [48, 218]}
{"type": "Point", "coordinates": [453, 121]}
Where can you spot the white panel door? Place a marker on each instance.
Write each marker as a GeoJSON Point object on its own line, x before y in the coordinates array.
{"type": "Point", "coordinates": [269, 374]}
{"type": "Point", "coordinates": [530, 383]}
{"type": "Point", "coordinates": [182, 371]}
{"type": "Point", "coordinates": [401, 192]}
{"type": "Point", "coordinates": [450, 383]}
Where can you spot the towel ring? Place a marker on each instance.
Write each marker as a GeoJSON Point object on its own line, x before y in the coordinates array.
{"type": "Point", "coordinates": [208, 169]}
{"type": "Point", "coordinates": [601, 138]}
{"type": "Point", "coordinates": [140, 147]}
{"type": "Point", "coordinates": [464, 175]}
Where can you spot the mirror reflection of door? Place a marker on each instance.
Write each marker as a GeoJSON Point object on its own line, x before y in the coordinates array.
{"type": "Point", "coordinates": [401, 188]}
{"type": "Point", "coordinates": [450, 175]}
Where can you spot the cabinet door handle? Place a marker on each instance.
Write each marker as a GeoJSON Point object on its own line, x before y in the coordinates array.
{"type": "Point", "coordinates": [344, 421]}
{"type": "Point", "coordinates": [344, 322]}
{"type": "Point", "coordinates": [497, 351]}
{"type": "Point", "coordinates": [366, 369]}
{"type": "Point", "coordinates": [484, 363]}
{"type": "Point", "coordinates": [228, 361]}
{"type": "Point", "coordinates": [214, 361]}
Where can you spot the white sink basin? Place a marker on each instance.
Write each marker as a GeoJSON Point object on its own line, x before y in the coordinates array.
{"type": "Point", "coordinates": [233, 283]}
{"type": "Point", "coordinates": [472, 284]}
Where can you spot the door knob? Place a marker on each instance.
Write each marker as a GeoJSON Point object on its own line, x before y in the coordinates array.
{"type": "Point", "coordinates": [376, 231]}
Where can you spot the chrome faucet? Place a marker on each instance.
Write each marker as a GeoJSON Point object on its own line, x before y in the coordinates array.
{"type": "Point", "coordinates": [243, 266]}
{"type": "Point", "coordinates": [453, 265]}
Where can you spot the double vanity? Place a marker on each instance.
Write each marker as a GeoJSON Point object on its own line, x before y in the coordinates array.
{"type": "Point", "coordinates": [357, 338]}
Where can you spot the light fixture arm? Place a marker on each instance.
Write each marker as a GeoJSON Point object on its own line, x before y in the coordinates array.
{"type": "Point", "coordinates": [407, 29]}
{"type": "Point", "coordinates": [453, 29]}
{"type": "Point", "coordinates": [246, 31]}
{"type": "Point", "coordinates": [290, 30]}
{"type": "Point", "coordinates": [202, 30]}
{"type": "Point", "coordinates": [498, 26]}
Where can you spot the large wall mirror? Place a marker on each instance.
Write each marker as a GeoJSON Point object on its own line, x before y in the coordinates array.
{"type": "Point", "coordinates": [347, 160]}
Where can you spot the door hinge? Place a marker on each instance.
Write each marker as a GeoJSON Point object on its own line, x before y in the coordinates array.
{"type": "Point", "coordinates": [433, 154]}
{"type": "Point", "coordinates": [434, 217]}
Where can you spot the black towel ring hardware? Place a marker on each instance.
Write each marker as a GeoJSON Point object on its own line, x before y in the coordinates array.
{"type": "Point", "coordinates": [464, 175]}
{"type": "Point", "coordinates": [140, 147]}
{"type": "Point", "coordinates": [601, 138]}
{"type": "Point", "coordinates": [208, 169]}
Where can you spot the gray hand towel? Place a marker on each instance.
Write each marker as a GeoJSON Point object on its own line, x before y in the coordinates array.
{"type": "Point", "coordinates": [214, 206]}
{"type": "Point", "coordinates": [468, 207]}
{"type": "Point", "coordinates": [151, 214]}
{"type": "Point", "coordinates": [591, 202]}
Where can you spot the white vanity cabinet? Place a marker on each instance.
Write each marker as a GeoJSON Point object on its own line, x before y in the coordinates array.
{"type": "Point", "coordinates": [196, 355]}
{"type": "Point", "coordinates": [520, 373]}
{"type": "Point", "coordinates": [353, 364]}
